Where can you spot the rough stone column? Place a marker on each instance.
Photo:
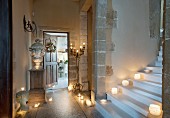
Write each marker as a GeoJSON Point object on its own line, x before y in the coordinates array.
{"type": "Point", "coordinates": [83, 58]}
{"type": "Point", "coordinates": [166, 63]}
{"type": "Point", "coordinates": [99, 47]}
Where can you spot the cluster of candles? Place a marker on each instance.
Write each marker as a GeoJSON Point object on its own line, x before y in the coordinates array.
{"type": "Point", "coordinates": [88, 102]}
{"type": "Point", "coordinates": [76, 52]}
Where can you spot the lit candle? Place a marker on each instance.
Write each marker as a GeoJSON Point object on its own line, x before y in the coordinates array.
{"type": "Point", "coordinates": [50, 99]}
{"type": "Point", "coordinates": [88, 103]}
{"type": "Point", "coordinates": [147, 71]}
{"type": "Point", "coordinates": [103, 101]}
{"type": "Point", "coordinates": [71, 44]}
{"type": "Point", "coordinates": [70, 87]}
{"type": "Point", "coordinates": [155, 109]}
{"type": "Point", "coordinates": [22, 88]}
{"type": "Point", "coordinates": [125, 82]}
{"type": "Point", "coordinates": [137, 76]}
{"type": "Point", "coordinates": [114, 90]}
{"type": "Point", "coordinates": [81, 47]}
{"type": "Point", "coordinates": [84, 45]}
{"type": "Point", "coordinates": [79, 95]}
{"type": "Point", "coordinates": [36, 105]}
{"type": "Point", "coordinates": [82, 97]}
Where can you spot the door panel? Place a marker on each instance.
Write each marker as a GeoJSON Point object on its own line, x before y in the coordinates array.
{"type": "Point", "coordinates": [50, 61]}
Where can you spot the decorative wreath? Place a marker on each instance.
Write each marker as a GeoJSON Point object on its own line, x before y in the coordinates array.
{"type": "Point", "coordinates": [50, 47]}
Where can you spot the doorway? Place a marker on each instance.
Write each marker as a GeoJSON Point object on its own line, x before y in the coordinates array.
{"type": "Point", "coordinates": [56, 59]}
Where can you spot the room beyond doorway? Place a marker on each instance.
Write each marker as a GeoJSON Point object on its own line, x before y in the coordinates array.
{"type": "Point", "coordinates": [56, 59]}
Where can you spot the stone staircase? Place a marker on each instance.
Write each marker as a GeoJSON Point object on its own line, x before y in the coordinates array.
{"type": "Point", "coordinates": [133, 101]}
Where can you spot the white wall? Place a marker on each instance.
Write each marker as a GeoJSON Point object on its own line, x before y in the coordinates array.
{"type": "Point", "coordinates": [58, 15]}
{"type": "Point", "coordinates": [21, 43]}
{"type": "Point", "coordinates": [133, 47]}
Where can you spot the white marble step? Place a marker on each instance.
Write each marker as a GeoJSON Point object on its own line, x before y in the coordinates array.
{"type": "Point", "coordinates": [149, 86]}
{"type": "Point", "coordinates": [158, 63]}
{"type": "Point", "coordinates": [109, 110]}
{"type": "Point", "coordinates": [141, 95]}
{"type": "Point", "coordinates": [160, 53]}
{"type": "Point", "coordinates": [129, 105]}
{"type": "Point", "coordinates": [159, 58]}
{"type": "Point", "coordinates": [154, 77]}
{"type": "Point", "coordinates": [155, 69]}
{"type": "Point", "coordinates": [160, 47]}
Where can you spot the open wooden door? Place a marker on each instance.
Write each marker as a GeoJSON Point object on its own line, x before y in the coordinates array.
{"type": "Point", "coordinates": [50, 60]}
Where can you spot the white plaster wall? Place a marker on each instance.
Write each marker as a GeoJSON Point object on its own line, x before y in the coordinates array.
{"type": "Point", "coordinates": [21, 43]}
{"type": "Point", "coordinates": [58, 15]}
{"type": "Point", "coordinates": [133, 47]}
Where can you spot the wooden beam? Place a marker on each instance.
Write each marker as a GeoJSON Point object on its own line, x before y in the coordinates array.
{"type": "Point", "coordinates": [6, 58]}
{"type": "Point", "coordinates": [85, 5]}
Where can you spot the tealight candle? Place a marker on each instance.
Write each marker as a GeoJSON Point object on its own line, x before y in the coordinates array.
{"type": "Point", "coordinates": [155, 109]}
{"type": "Point", "coordinates": [22, 88]}
{"type": "Point", "coordinates": [36, 105]}
{"type": "Point", "coordinates": [103, 101]}
{"type": "Point", "coordinates": [79, 95]}
{"type": "Point", "coordinates": [137, 76]}
{"type": "Point", "coordinates": [88, 103]}
{"type": "Point", "coordinates": [50, 99]}
{"type": "Point", "coordinates": [147, 71]}
{"type": "Point", "coordinates": [114, 90]}
{"type": "Point", "coordinates": [82, 97]}
{"type": "Point", "coordinates": [125, 82]}
{"type": "Point", "coordinates": [70, 87]}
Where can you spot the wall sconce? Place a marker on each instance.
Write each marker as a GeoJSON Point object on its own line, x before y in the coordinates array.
{"type": "Point", "coordinates": [29, 26]}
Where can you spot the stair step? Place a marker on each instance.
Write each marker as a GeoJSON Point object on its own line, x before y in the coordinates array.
{"type": "Point", "coordinates": [159, 58]}
{"type": "Point", "coordinates": [153, 77]}
{"type": "Point", "coordinates": [141, 95]}
{"type": "Point", "coordinates": [160, 53]}
{"type": "Point", "coordinates": [149, 86]}
{"type": "Point", "coordinates": [129, 105]}
{"type": "Point", "coordinates": [158, 63]}
{"type": "Point", "coordinates": [155, 69]}
{"type": "Point", "coordinates": [109, 110]}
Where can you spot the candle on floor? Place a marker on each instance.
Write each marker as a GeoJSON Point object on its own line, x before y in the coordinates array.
{"type": "Point", "coordinates": [125, 82]}
{"type": "Point", "coordinates": [82, 97]}
{"type": "Point", "coordinates": [36, 105]}
{"type": "Point", "coordinates": [88, 103]}
{"type": "Point", "coordinates": [155, 109]}
{"type": "Point", "coordinates": [103, 101]}
{"type": "Point", "coordinates": [50, 99]}
{"type": "Point", "coordinates": [79, 95]}
{"type": "Point", "coordinates": [114, 90]}
{"type": "Point", "coordinates": [70, 87]}
{"type": "Point", "coordinates": [137, 76]}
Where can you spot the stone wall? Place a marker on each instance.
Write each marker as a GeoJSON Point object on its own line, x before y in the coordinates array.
{"type": "Point", "coordinates": [99, 47]}
{"type": "Point", "coordinates": [83, 58]}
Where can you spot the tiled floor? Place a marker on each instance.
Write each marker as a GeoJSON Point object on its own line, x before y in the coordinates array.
{"type": "Point", "coordinates": [64, 105]}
